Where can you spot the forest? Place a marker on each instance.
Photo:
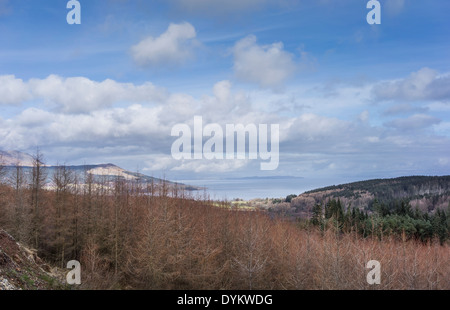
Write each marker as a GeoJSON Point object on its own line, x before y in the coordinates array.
{"type": "Point", "coordinates": [147, 235]}
{"type": "Point", "coordinates": [400, 221]}
{"type": "Point", "coordinates": [424, 192]}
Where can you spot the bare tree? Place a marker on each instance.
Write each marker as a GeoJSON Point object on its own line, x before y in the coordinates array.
{"type": "Point", "coordinates": [63, 229]}
{"type": "Point", "coordinates": [252, 256]}
{"type": "Point", "coordinates": [21, 217]}
{"type": "Point", "coordinates": [38, 177]}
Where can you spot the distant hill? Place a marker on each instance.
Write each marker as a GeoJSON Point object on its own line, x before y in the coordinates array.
{"type": "Point", "coordinates": [425, 192]}
{"type": "Point", "coordinates": [101, 173]}
{"type": "Point", "coordinates": [13, 158]}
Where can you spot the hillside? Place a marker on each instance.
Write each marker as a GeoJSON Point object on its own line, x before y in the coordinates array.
{"type": "Point", "coordinates": [427, 193]}
{"type": "Point", "coordinates": [22, 269]}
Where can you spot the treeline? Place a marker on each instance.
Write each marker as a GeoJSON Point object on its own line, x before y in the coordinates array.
{"type": "Point", "coordinates": [432, 190]}
{"type": "Point", "coordinates": [410, 186]}
{"type": "Point", "coordinates": [399, 220]}
{"type": "Point", "coordinates": [134, 235]}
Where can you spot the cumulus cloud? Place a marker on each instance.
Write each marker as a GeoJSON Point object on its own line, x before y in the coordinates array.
{"type": "Point", "coordinates": [425, 84]}
{"type": "Point", "coordinates": [225, 102]}
{"type": "Point", "coordinates": [104, 124]}
{"type": "Point", "coordinates": [12, 90]}
{"type": "Point", "coordinates": [135, 132]}
{"type": "Point", "coordinates": [173, 47]}
{"type": "Point", "coordinates": [76, 94]}
{"type": "Point", "coordinates": [117, 126]}
{"type": "Point", "coordinates": [311, 127]}
{"type": "Point", "coordinates": [121, 129]}
{"type": "Point", "coordinates": [414, 122]}
{"type": "Point", "coordinates": [314, 133]}
{"type": "Point", "coordinates": [266, 65]}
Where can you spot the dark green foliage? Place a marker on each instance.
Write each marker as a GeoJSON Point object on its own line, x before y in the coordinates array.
{"type": "Point", "coordinates": [333, 209]}
{"type": "Point", "coordinates": [317, 216]}
{"type": "Point", "coordinates": [440, 225]}
{"type": "Point", "coordinates": [400, 221]}
{"type": "Point", "coordinates": [290, 197]}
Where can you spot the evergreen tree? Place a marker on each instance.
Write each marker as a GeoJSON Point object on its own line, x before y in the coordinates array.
{"type": "Point", "coordinates": [442, 229]}
{"type": "Point", "coordinates": [317, 215]}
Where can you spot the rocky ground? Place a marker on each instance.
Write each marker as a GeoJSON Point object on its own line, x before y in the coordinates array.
{"type": "Point", "coordinates": [22, 269]}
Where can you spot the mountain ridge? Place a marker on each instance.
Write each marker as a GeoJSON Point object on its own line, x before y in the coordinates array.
{"type": "Point", "coordinates": [109, 172]}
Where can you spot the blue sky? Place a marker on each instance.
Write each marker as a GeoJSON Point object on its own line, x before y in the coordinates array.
{"type": "Point", "coordinates": [354, 101]}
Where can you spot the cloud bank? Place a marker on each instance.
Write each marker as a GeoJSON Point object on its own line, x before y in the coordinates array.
{"type": "Point", "coordinates": [80, 117]}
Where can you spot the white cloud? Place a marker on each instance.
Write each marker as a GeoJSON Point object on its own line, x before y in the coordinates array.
{"type": "Point", "coordinates": [34, 117]}
{"type": "Point", "coordinates": [425, 84]}
{"type": "Point", "coordinates": [138, 133]}
{"type": "Point", "coordinates": [12, 90]}
{"type": "Point", "coordinates": [160, 162]}
{"type": "Point", "coordinates": [134, 125]}
{"type": "Point", "coordinates": [225, 103]}
{"type": "Point", "coordinates": [76, 94]}
{"type": "Point", "coordinates": [266, 65]}
{"type": "Point", "coordinates": [173, 47]}
{"type": "Point", "coordinates": [312, 127]}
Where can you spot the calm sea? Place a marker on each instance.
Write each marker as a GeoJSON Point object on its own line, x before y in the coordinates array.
{"type": "Point", "coordinates": [256, 187]}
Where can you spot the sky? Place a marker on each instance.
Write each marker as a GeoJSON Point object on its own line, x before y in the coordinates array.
{"type": "Point", "coordinates": [353, 101]}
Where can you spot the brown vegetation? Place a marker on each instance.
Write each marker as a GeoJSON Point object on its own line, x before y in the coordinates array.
{"type": "Point", "coordinates": [130, 235]}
